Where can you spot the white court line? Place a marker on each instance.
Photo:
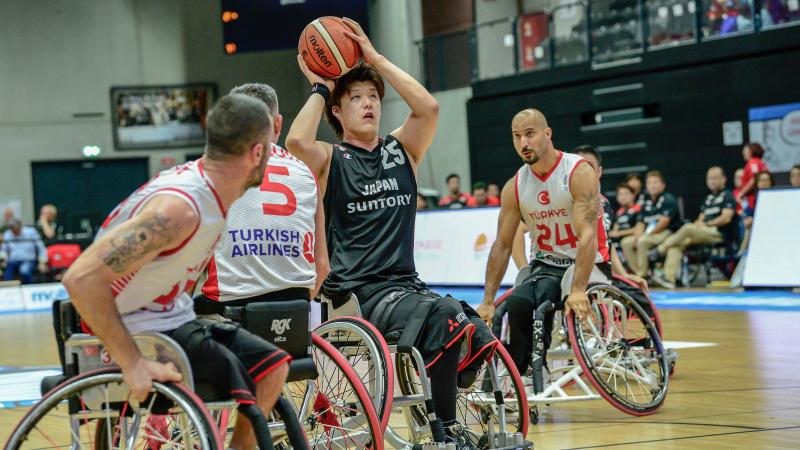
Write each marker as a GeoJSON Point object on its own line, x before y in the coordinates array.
{"type": "Point", "coordinates": [675, 345]}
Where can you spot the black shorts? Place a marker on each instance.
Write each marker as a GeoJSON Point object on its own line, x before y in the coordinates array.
{"type": "Point", "coordinates": [227, 358]}
{"type": "Point", "coordinates": [447, 323]}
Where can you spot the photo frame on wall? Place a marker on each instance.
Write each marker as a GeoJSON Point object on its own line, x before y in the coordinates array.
{"type": "Point", "coordinates": [168, 116]}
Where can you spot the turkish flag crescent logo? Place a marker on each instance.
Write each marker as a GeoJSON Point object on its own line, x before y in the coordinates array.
{"type": "Point", "coordinates": [308, 247]}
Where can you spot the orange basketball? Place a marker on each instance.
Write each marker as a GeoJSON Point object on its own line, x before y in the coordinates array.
{"type": "Point", "coordinates": [325, 48]}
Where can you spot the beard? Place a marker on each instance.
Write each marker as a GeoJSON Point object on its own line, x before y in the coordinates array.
{"type": "Point", "coordinates": [531, 160]}
{"type": "Point", "coordinates": [257, 176]}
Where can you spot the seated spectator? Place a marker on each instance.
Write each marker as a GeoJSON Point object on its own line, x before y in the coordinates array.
{"type": "Point", "coordinates": [715, 224]}
{"type": "Point", "coordinates": [493, 191]}
{"type": "Point", "coordinates": [657, 220]}
{"type": "Point", "coordinates": [625, 217]}
{"type": "Point", "coordinates": [635, 182]}
{"type": "Point", "coordinates": [8, 218]}
{"type": "Point", "coordinates": [482, 197]}
{"type": "Point", "coordinates": [764, 180]}
{"type": "Point", "coordinates": [21, 249]}
{"type": "Point", "coordinates": [456, 199]}
{"type": "Point", "coordinates": [47, 226]}
{"type": "Point", "coordinates": [422, 204]}
{"type": "Point", "coordinates": [752, 154]}
{"type": "Point", "coordinates": [737, 187]}
{"type": "Point", "coordinates": [794, 176]}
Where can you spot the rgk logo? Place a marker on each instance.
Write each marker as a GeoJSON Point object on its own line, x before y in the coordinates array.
{"type": "Point", "coordinates": [544, 198]}
{"type": "Point", "coordinates": [279, 326]}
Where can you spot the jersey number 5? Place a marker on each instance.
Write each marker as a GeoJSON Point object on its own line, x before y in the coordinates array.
{"type": "Point", "coordinates": [285, 209]}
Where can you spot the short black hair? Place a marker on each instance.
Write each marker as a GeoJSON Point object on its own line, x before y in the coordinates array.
{"type": "Point", "coordinates": [625, 185]}
{"type": "Point", "coordinates": [631, 175]}
{"type": "Point", "coordinates": [452, 175]}
{"type": "Point", "coordinates": [588, 150]}
{"type": "Point", "coordinates": [261, 91]}
{"type": "Point", "coordinates": [796, 166]}
{"type": "Point", "coordinates": [478, 185]}
{"type": "Point", "coordinates": [235, 123]}
{"type": "Point", "coordinates": [361, 72]}
{"type": "Point", "coordinates": [755, 149]}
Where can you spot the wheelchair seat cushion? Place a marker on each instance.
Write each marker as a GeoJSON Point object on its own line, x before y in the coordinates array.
{"type": "Point", "coordinates": [226, 360]}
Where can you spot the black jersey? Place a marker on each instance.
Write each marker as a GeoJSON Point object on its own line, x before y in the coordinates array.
{"type": "Point", "coordinates": [370, 208]}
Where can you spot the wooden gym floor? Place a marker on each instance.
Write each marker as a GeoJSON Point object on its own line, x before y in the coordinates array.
{"type": "Point", "coordinates": [743, 392]}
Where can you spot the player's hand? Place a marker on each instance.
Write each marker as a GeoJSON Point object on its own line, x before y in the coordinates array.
{"type": "Point", "coordinates": [486, 311]}
{"type": "Point", "coordinates": [368, 52]}
{"type": "Point", "coordinates": [578, 302]}
{"type": "Point", "coordinates": [311, 76]}
{"type": "Point", "coordinates": [641, 282]}
{"type": "Point", "coordinates": [140, 376]}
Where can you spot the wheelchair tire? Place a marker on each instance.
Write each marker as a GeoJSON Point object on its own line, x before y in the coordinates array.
{"type": "Point", "coordinates": [623, 355]}
{"type": "Point", "coordinates": [360, 342]}
{"type": "Point", "coordinates": [476, 405]}
{"type": "Point", "coordinates": [74, 397]}
{"type": "Point", "coordinates": [341, 413]}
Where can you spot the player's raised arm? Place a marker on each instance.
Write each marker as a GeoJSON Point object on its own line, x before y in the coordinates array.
{"type": "Point", "coordinates": [163, 223]}
{"type": "Point", "coordinates": [585, 213]}
{"type": "Point", "coordinates": [419, 128]}
{"type": "Point", "coordinates": [496, 267]}
{"type": "Point", "coordinates": [301, 140]}
{"type": "Point", "coordinates": [321, 261]}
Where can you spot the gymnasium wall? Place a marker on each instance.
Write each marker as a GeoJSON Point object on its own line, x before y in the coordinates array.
{"type": "Point", "coordinates": [60, 58]}
{"type": "Point", "coordinates": [685, 95]}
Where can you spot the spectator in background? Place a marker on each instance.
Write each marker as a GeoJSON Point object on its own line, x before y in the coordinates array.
{"type": "Point", "coordinates": [752, 154]}
{"type": "Point", "coordinates": [493, 191]}
{"type": "Point", "coordinates": [635, 182]}
{"type": "Point", "coordinates": [794, 176]}
{"type": "Point", "coordinates": [626, 215]}
{"type": "Point", "coordinates": [47, 226]}
{"type": "Point", "coordinates": [737, 187]}
{"type": "Point", "coordinates": [8, 218]}
{"type": "Point", "coordinates": [715, 224]}
{"type": "Point", "coordinates": [657, 220]}
{"type": "Point", "coordinates": [456, 199]}
{"type": "Point", "coordinates": [21, 249]}
{"type": "Point", "coordinates": [422, 204]}
{"type": "Point", "coordinates": [763, 180]}
{"type": "Point", "coordinates": [482, 197]}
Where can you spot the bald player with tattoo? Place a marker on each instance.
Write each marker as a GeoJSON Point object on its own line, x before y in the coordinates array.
{"type": "Point", "coordinates": [556, 195]}
{"type": "Point", "coordinates": [139, 273]}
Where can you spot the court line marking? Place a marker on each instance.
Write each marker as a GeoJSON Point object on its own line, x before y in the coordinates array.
{"type": "Point", "coordinates": [677, 345]}
{"type": "Point", "coordinates": [682, 438]}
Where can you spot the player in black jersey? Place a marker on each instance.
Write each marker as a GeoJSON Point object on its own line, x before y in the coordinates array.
{"type": "Point", "coordinates": [370, 207]}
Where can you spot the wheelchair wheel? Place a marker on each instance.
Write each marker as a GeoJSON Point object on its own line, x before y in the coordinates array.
{"type": "Point", "coordinates": [335, 409]}
{"type": "Point", "coordinates": [476, 406]}
{"type": "Point", "coordinates": [621, 352]}
{"type": "Point", "coordinates": [94, 409]}
{"type": "Point", "coordinates": [367, 353]}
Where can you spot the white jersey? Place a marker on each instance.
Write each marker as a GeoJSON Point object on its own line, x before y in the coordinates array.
{"type": "Point", "coordinates": [268, 242]}
{"type": "Point", "coordinates": [545, 204]}
{"type": "Point", "coordinates": [157, 296]}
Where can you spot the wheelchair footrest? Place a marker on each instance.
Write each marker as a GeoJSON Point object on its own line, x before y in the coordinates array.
{"type": "Point", "coordinates": [509, 441]}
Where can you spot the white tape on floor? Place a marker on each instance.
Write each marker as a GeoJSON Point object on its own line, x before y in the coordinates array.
{"type": "Point", "coordinates": [676, 345]}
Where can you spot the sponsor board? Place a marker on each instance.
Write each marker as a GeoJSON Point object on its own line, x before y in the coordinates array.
{"type": "Point", "coordinates": [41, 296]}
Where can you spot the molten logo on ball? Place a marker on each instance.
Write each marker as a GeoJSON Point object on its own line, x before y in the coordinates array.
{"type": "Point", "coordinates": [544, 198]}
{"type": "Point", "coordinates": [323, 58]}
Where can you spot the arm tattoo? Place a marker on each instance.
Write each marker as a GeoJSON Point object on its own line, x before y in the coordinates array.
{"type": "Point", "coordinates": [137, 240]}
{"type": "Point", "coordinates": [591, 207]}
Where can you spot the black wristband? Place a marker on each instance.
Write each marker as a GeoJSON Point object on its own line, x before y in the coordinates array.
{"type": "Point", "coordinates": [321, 89]}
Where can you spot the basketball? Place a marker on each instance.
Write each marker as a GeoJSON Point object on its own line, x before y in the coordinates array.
{"type": "Point", "coordinates": [326, 49]}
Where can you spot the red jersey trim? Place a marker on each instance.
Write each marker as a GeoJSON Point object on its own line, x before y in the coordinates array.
{"type": "Point", "coordinates": [211, 286]}
{"type": "Point", "coordinates": [552, 169]}
{"type": "Point", "coordinates": [210, 186]}
{"type": "Point", "coordinates": [602, 239]}
{"type": "Point", "coordinates": [569, 179]}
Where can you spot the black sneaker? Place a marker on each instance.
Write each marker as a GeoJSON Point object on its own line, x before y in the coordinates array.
{"type": "Point", "coordinates": [459, 435]}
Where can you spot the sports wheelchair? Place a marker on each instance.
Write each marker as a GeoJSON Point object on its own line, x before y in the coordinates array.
{"type": "Point", "coordinates": [89, 405]}
{"type": "Point", "coordinates": [618, 349]}
{"type": "Point", "coordinates": [493, 408]}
